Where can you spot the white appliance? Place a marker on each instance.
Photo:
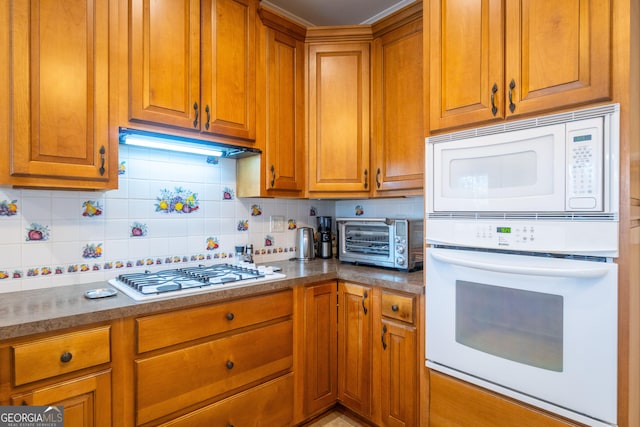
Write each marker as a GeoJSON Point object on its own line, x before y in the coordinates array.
{"type": "Point", "coordinates": [521, 284]}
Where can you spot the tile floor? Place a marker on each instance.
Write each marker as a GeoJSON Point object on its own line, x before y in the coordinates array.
{"type": "Point", "coordinates": [335, 419]}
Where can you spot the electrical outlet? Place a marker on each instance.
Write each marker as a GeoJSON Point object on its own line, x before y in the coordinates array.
{"type": "Point", "coordinates": [276, 223]}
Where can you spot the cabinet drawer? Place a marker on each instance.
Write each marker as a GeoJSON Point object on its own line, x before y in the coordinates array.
{"type": "Point", "coordinates": [167, 329]}
{"type": "Point", "coordinates": [184, 377]}
{"type": "Point", "coordinates": [399, 307]}
{"type": "Point", "coordinates": [70, 352]}
{"type": "Point", "coordinates": [271, 403]}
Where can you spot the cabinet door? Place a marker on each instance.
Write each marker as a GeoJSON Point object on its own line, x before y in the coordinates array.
{"type": "Point", "coordinates": [466, 62]}
{"type": "Point", "coordinates": [58, 94]}
{"type": "Point", "coordinates": [398, 374]}
{"type": "Point", "coordinates": [354, 347]}
{"type": "Point", "coordinates": [398, 142]}
{"type": "Point", "coordinates": [320, 351]}
{"type": "Point", "coordinates": [285, 112]}
{"type": "Point", "coordinates": [557, 53]}
{"type": "Point", "coordinates": [86, 400]}
{"type": "Point", "coordinates": [229, 68]}
{"type": "Point", "coordinates": [339, 119]}
{"type": "Point", "coordinates": [165, 62]}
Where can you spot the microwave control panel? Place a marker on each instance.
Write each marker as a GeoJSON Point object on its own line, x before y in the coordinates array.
{"type": "Point", "coordinates": [584, 171]}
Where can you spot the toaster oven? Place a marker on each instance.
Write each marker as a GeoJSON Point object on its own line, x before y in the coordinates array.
{"type": "Point", "coordinates": [384, 242]}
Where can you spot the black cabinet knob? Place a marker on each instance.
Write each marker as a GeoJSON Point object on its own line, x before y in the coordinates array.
{"type": "Point", "coordinates": [394, 307]}
{"type": "Point", "coordinates": [66, 357]}
{"type": "Point", "coordinates": [229, 364]}
{"type": "Point", "coordinates": [230, 316]}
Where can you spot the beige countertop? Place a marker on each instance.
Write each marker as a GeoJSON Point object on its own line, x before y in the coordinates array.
{"type": "Point", "coordinates": [30, 312]}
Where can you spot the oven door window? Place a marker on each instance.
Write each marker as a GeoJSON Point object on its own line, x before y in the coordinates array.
{"type": "Point", "coordinates": [518, 325]}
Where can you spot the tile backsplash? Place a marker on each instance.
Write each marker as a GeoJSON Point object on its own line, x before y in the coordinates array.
{"type": "Point", "coordinates": [170, 210]}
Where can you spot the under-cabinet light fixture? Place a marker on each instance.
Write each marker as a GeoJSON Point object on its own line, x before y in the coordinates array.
{"type": "Point", "coordinates": [163, 142]}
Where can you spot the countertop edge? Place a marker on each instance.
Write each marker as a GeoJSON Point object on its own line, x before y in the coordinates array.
{"type": "Point", "coordinates": [39, 311]}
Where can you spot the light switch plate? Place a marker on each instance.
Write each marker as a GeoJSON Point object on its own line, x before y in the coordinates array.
{"type": "Point", "coordinates": [276, 223]}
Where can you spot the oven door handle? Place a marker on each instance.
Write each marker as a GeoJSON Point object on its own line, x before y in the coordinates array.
{"type": "Point", "coordinates": [579, 273]}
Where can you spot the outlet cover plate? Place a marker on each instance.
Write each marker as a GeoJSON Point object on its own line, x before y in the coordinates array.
{"type": "Point", "coordinates": [276, 223]}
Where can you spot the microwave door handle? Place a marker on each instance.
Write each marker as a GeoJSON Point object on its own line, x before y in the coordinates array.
{"type": "Point", "coordinates": [579, 273]}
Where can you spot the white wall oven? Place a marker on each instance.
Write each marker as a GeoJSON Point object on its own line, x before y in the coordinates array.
{"type": "Point", "coordinates": [521, 279]}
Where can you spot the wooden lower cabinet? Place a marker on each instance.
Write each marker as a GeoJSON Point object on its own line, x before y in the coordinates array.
{"type": "Point", "coordinates": [238, 345]}
{"type": "Point", "coordinates": [454, 403]}
{"type": "Point", "coordinates": [86, 400]}
{"type": "Point", "coordinates": [354, 347]}
{"type": "Point", "coordinates": [320, 347]}
{"type": "Point", "coordinates": [258, 406]}
{"type": "Point", "coordinates": [71, 369]}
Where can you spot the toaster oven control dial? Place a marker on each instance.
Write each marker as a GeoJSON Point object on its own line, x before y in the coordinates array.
{"type": "Point", "coordinates": [400, 260]}
{"type": "Point", "coordinates": [400, 249]}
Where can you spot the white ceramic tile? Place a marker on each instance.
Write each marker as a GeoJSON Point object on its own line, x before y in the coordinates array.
{"type": "Point", "coordinates": [66, 253]}
{"type": "Point", "coordinates": [116, 209]}
{"type": "Point", "coordinates": [10, 256]}
{"type": "Point", "coordinates": [116, 249]}
{"type": "Point", "coordinates": [11, 230]}
{"type": "Point", "coordinates": [65, 230]}
{"type": "Point", "coordinates": [37, 253]}
{"type": "Point", "coordinates": [139, 249]}
{"type": "Point", "coordinates": [139, 188]}
{"type": "Point", "coordinates": [36, 209]}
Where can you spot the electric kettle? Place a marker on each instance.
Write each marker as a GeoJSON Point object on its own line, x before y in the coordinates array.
{"type": "Point", "coordinates": [305, 244]}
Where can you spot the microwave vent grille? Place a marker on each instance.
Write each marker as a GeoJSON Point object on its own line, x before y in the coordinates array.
{"type": "Point", "coordinates": [559, 118]}
{"type": "Point", "coordinates": [529, 216]}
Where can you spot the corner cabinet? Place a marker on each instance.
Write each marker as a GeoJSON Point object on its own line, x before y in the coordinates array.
{"type": "Point", "coordinates": [355, 322]}
{"type": "Point", "coordinates": [338, 119]}
{"type": "Point", "coordinates": [58, 104]}
{"type": "Point", "coordinates": [280, 171]}
{"type": "Point", "coordinates": [514, 58]}
{"type": "Point", "coordinates": [192, 65]}
{"type": "Point", "coordinates": [320, 348]}
{"type": "Point", "coordinates": [397, 144]}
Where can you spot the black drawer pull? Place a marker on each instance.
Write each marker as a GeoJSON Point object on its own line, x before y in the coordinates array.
{"type": "Point", "coordinates": [394, 307]}
{"type": "Point", "coordinates": [364, 297]}
{"type": "Point", "coordinates": [230, 316]}
{"type": "Point", "coordinates": [66, 357]}
{"type": "Point", "coordinates": [384, 331]}
{"type": "Point", "coordinates": [229, 364]}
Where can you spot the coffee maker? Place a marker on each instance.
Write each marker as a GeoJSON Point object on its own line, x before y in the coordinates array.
{"type": "Point", "coordinates": [324, 237]}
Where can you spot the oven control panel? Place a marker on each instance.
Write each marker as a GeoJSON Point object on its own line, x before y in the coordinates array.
{"type": "Point", "coordinates": [571, 237]}
{"type": "Point", "coordinates": [508, 236]}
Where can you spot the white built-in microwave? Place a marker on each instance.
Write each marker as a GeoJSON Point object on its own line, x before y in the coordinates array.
{"type": "Point", "coordinates": [546, 184]}
{"type": "Point", "coordinates": [560, 163]}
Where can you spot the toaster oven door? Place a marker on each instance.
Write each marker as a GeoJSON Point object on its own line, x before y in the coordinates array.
{"type": "Point", "coordinates": [367, 243]}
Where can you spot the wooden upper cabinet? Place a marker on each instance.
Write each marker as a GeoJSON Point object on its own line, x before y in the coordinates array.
{"type": "Point", "coordinates": [493, 59]}
{"type": "Point", "coordinates": [280, 171]}
{"type": "Point", "coordinates": [285, 112]}
{"type": "Point", "coordinates": [165, 62]}
{"type": "Point", "coordinates": [338, 108]}
{"type": "Point", "coordinates": [57, 107]}
{"type": "Point", "coordinates": [192, 65]}
{"type": "Point", "coordinates": [229, 68]}
{"type": "Point", "coordinates": [397, 145]}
